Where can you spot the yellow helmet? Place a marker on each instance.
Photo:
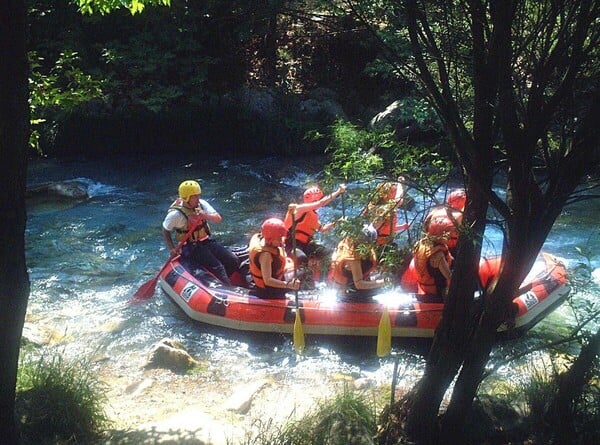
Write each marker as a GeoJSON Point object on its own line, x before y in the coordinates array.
{"type": "Point", "coordinates": [189, 188]}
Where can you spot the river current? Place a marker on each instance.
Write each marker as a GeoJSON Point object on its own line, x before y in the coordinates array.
{"type": "Point", "coordinates": [86, 259]}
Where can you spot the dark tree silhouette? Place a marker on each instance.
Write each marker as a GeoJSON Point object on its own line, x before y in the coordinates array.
{"type": "Point", "coordinates": [14, 137]}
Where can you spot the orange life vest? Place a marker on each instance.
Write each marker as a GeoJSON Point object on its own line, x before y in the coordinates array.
{"type": "Point", "coordinates": [339, 275]}
{"type": "Point", "coordinates": [429, 279]}
{"type": "Point", "coordinates": [256, 247]}
{"type": "Point", "coordinates": [306, 226]}
{"type": "Point", "coordinates": [202, 228]}
{"type": "Point", "coordinates": [387, 227]}
{"type": "Point", "coordinates": [381, 210]}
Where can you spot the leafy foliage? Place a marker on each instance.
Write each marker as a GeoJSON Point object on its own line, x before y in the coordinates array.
{"type": "Point", "coordinates": [365, 159]}
{"type": "Point", "coordinates": [361, 155]}
{"type": "Point", "coordinates": [534, 394]}
{"type": "Point", "coordinates": [107, 6]}
{"type": "Point", "coordinates": [58, 91]}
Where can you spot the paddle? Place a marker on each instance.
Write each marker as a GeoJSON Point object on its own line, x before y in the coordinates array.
{"type": "Point", "coordinates": [343, 207]}
{"type": "Point", "coordinates": [298, 329]}
{"type": "Point", "coordinates": [384, 334]}
{"type": "Point", "coordinates": [146, 290]}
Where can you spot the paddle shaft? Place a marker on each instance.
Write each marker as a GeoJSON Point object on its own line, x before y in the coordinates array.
{"type": "Point", "coordinates": [298, 336]}
{"type": "Point", "coordinates": [294, 256]}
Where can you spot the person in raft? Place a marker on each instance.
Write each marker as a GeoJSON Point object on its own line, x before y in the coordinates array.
{"type": "Point", "coordinates": [382, 210]}
{"type": "Point", "coordinates": [447, 217]}
{"type": "Point", "coordinates": [269, 262]}
{"type": "Point", "coordinates": [189, 212]}
{"type": "Point", "coordinates": [352, 264]}
{"type": "Point", "coordinates": [433, 263]}
{"type": "Point", "coordinates": [308, 224]}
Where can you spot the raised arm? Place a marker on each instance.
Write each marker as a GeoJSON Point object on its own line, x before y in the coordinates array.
{"type": "Point", "coordinates": [325, 200]}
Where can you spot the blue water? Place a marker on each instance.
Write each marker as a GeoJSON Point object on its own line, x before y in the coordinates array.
{"type": "Point", "coordinates": [86, 259]}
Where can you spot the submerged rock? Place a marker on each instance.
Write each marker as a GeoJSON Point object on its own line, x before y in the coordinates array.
{"type": "Point", "coordinates": [40, 335]}
{"type": "Point", "coordinates": [54, 196]}
{"type": "Point", "coordinates": [68, 190]}
{"type": "Point", "coordinates": [170, 354]}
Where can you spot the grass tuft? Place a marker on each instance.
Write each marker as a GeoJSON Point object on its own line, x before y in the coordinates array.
{"type": "Point", "coordinates": [346, 419]}
{"type": "Point", "coordinates": [59, 401]}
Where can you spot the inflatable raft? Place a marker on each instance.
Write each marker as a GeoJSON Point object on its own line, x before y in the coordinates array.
{"type": "Point", "coordinates": [205, 299]}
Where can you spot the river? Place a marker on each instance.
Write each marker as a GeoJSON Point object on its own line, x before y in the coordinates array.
{"type": "Point", "coordinates": [86, 260]}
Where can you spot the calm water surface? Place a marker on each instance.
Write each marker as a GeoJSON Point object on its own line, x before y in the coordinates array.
{"type": "Point", "coordinates": [86, 260]}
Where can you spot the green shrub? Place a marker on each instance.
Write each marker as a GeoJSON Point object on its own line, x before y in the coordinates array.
{"type": "Point", "coordinates": [348, 418]}
{"type": "Point", "coordinates": [536, 393]}
{"type": "Point", "coordinates": [59, 401]}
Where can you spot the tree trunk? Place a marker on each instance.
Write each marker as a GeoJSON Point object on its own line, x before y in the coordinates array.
{"type": "Point", "coordinates": [453, 334]}
{"type": "Point", "coordinates": [453, 423]}
{"type": "Point", "coordinates": [500, 115]}
{"type": "Point", "coordinates": [442, 366]}
{"type": "Point", "coordinates": [14, 134]}
{"type": "Point", "coordinates": [268, 51]}
{"type": "Point", "coordinates": [476, 357]}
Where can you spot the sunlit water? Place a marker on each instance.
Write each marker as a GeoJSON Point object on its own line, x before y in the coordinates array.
{"type": "Point", "coordinates": [86, 260]}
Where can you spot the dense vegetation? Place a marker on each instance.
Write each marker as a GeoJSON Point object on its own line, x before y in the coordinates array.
{"type": "Point", "coordinates": [245, 75]}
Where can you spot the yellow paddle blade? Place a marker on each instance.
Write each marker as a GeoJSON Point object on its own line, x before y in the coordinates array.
{"type": "Point", "coordinates": [298, 334]}
{"type": "Point", "coordinates": [384, 334]}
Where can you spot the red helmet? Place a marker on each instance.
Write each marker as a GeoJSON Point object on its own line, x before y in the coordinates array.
{"type": "Point", "coordinates": [441, 227]}
{"type": "Point", "coordinates": [457, 199]}
{"type": "Point", "coordinates": [273, 228]}
{"type": "Point", "coordinates": [312, 194]}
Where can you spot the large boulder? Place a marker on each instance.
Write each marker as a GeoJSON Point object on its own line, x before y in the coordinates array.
{"type": "Point", "coordinates": [321, 105]}
{"type": "Point", "coordinates": [408, 119]}
{"type": "Point", "coordinates": [71, 190]}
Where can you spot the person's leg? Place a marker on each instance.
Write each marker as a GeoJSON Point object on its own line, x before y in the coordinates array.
{"type": "Point", "coordinates": [203, 256]}
{"type": "Point", "coordinates": [227, 258]}
{"type": "Point", "coordinates": [187, 258]}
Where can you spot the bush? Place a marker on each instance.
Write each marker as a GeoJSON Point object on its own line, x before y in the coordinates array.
{"type": "Point", "coordinates": [58, 401]}
{"type": "Point", "coordinates": [342, 420]}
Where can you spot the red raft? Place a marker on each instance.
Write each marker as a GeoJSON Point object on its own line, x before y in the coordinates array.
{"type": "Point", "coordinates": [203, 298]}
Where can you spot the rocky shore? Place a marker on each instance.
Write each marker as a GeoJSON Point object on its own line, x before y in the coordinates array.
{"type": "Point", "coordinates": [165, 396]}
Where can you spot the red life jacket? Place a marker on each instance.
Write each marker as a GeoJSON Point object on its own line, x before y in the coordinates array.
{"type": "Point", "coordinates": [339, 275]}
{"type": "Point", "coordinates": [429, 279]}
{"type": "Point", "coordinates": [306, 226]}
{"type": "Point", "coordinates": [256, 247]}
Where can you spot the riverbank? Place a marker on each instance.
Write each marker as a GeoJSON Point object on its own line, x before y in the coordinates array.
{"type": "Point", "coordinates": [209, 406]}
{"type": "Point", "coordinates": [206, 405]}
